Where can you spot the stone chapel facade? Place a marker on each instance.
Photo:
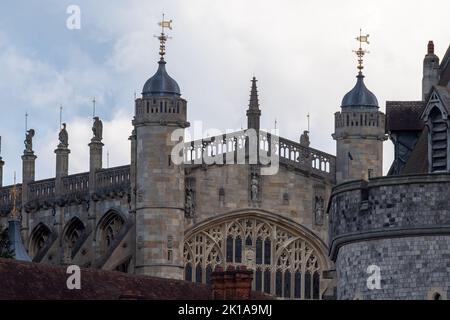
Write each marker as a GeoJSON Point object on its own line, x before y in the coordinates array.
{"type": "Point", "coordinates": [160, 218]}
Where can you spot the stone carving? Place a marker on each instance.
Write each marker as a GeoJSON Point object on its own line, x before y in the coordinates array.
{"type": "Point", "coordinates": [189, 206]}
{"type": "Point", "coordinates": [249, 257]}
{"type": "Point", "coordinates": [254, 187]}
{"type": "Point", "coordinates": [97, 129]}
{"type": "Point", "coordinates": [29, 140]}
{"type": "Point", "coordinates": [318, 210]}
{"type": "Point", "coordinates": [222, 197]}
{"type": "Point", "coordinates": [63, 137]}
{"type": "Point", "coordinates": [304, 139]}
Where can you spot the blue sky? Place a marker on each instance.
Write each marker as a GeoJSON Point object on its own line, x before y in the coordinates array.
{"type": "Point", "coordinates": [300, 51]}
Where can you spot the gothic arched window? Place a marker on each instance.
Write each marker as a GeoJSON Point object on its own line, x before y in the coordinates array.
{"type": "Point", "coordinates": [278, 256]}
{"type": "Point", "coordinates": [73, 232]}
{"type": "Point", "coordinates": [39, 239]}
{"type": "Point", "coordinates": [108, 229]}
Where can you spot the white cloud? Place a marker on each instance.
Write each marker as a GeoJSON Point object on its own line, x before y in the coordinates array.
{"type": "Point", "coordinates": [301, 52]}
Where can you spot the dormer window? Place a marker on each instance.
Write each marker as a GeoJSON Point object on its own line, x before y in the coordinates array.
{"type": "Point", "coordinates": [438, 141]}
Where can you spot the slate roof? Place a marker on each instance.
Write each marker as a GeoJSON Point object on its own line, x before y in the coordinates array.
{"type": "Point", "coordinates": [444, 94]}
{"type": "Point", "coordinates": [418, 160]}
{"type": "Point", "coordinates": [404, 115]}
{"type": "Point", "coordinates": [161, 83]}
{"type": "Point", "coordinates": [359, 96]}
{"type": "Point", "coordinates": [445, 69]}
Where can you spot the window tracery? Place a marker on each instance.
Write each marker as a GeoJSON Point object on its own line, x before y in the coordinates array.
{"type": "Point", "coordinates": [284, 263]}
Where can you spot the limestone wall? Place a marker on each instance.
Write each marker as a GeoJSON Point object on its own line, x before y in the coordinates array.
{"type": "Point", "coordinates": [289, 193]}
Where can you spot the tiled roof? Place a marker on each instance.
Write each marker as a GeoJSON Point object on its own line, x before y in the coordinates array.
{"type": "Point", "coordinates": [404, 115]}
{"type": "Point", "coordinates": [27, 280]}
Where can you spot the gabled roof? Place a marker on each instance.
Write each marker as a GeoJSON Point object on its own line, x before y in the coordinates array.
{"type": "Point", "coordinates": [404, 115]}
{"type": "Point", "coordinates": [439, 95]}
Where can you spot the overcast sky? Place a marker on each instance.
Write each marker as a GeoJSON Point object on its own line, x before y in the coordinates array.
{"type": "Point", "coordinates": [300, 51]}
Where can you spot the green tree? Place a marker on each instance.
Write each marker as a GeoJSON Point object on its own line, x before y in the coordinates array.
{"type": "Point", "coordinates": [5, 250]}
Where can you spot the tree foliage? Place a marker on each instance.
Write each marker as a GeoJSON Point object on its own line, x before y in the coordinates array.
{"type": "Point", "coordinates": [5, 250]}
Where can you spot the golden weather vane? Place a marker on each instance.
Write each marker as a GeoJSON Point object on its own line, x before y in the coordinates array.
{"type": "Point", "coordinates": [361, 52]}
{"type": "Point", "coordinates": [163, 37]}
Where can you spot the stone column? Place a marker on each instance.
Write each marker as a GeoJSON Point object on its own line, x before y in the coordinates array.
{"type": "Point", "coordinates": [2, 163]}
{"type": "Point", "coordinates": [28, 176]}
{"type": "Point", "coordinates": [62, 167]}
{"type": "Point", "coordinates": [95, 161]}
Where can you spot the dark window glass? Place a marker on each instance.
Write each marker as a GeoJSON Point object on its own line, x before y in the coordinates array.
{"type": "Point", "coordinates": [188, 272]}
{"type": "Point", "coordinates": [316, 285]}
{"type": "Point", "coordinates": [238, 250]}
{"type": "Point", "coordinates": [279, 283]}
{"type": "Point", "coordinates": [287, 284]}
{"type": "Point", "coordinates": [208, 274]}
{"type": "Point", "coordinates": [308, 285]}
{"type": "Point", "coordinates": [198, 274]}
{"type": "Point", "coordinates": [258, 280]}
{"type": "Point", "coordinates": [258, 251]}
{"type": "Point", "coordinates": [267, 251]}
{"type": "Point", "coordinates": [248, 241]}
{"type": "Point", "coordinates": [230, 249]}
{"type": "Point", "coordinates": [267, 281]}
{"type": "Point", "coordinates": [298, 285]}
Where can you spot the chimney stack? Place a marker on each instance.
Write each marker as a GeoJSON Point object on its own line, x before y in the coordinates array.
{"type": "Point", "coordinates": [232, 284]}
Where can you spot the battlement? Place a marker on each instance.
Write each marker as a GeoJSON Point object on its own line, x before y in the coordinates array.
{"type": "Point", "coordinates": [387, 207]}
{"type": "Point", "coordinates": [160, 109]}
{"type": "Point", "coordinates": [359, 122]}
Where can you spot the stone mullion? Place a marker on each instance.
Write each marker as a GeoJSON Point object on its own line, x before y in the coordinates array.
{"type": "Point", "coordinates": [303, 270]}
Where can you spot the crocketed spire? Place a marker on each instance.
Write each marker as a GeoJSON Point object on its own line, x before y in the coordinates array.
{"type": "Point", "coordinates": [253, 112]}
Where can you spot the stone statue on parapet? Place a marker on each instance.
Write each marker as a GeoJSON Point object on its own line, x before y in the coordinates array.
{"type": "Point", "coordinates": [304, 139]}
{"type": "Point", "coordinates": [97, 129]}
{"type": "Point", "coordinates": [29, 141]}
{"type": "Point", "coordinates": [63, 137]}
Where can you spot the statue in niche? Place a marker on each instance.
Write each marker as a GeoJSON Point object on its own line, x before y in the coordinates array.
{"type": "Point", "coordinates": [63, 137]}
{"type": "Point", "coordinates": [254, 187]}
{"type": "Point", "coordinates": [189, 207]}
{"type": "Point", "coordinates": [304, 139]}
{"type": "Point", "coordinates": [318, 210]}
{"type": "Point", "coordinates": [97, 129]}
{"type": "Point", "coordinates": [29, 140]}
{"type": "Point", "coordinates": [222, 197]}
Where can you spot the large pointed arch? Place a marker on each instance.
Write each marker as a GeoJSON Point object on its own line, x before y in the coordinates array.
{"type": "Point", "coordinates": [71, 236]}
{"type": "Point", "coordinates": [288, 258]}
{"type": "Point", "coordinates": [40, 240]}
{"type": "Point", "coordinates": [108, 229]}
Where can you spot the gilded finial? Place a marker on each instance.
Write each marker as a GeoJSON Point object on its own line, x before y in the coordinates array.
{"type": "Point", "coordinates": [163, 37]}
{"type": "Point", "coordinates": [14, 211]}
{"type": "Point", "coordinates": [361, 52]}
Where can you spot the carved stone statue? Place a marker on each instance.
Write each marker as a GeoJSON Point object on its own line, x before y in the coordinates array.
{"type": "Point", "coordinates": [304, 139]}
{"type": "Point", "coordinates": [318, 210]}
{"type": "Point", "coordinates": [189, 206]}
{"type": "Point", "coordinates": [254, 187]}
{"type": "Point", "coordinates": [97, 129]}
{"type": "Point", "coordinates": [29, 140]}
{"type": "Point", "coordinates": [63, 137]}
